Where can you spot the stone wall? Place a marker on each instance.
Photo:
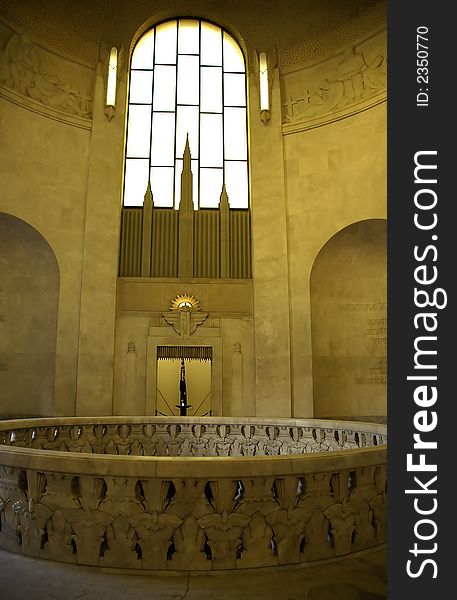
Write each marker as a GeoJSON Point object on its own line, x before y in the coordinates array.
{"type": "Point", "coordinates": [349, 322]}
{"type": "Point", "coordinates": [317, 167]}
{"type": "Point", "coordinates": [312, 174]}
{"type": "Point", "coordinates": [336, 175]}
{"type": "Point", "coordinates": [44, 158]}
{"type": "Point", "coordinates": [61, 171]}
{"type": "Point", "coordinates": [29, 298]}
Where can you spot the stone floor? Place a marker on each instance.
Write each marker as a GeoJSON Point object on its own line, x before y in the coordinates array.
{"type": "Point", "coordinates": [356, 578]}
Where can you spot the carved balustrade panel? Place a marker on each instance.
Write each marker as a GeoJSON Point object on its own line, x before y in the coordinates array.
{"type": "Point", "coordinates": [194, 510]}
{"type": "Point", "coordinates": [162, 438]}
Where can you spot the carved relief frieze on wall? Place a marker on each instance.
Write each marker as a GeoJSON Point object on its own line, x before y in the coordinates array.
{"type": "Point", "coordinates": [343, 85]}
{"type": "Point", "coordinates": [42, 82]}
{"type": "Point", "coordinates": [190, 439]}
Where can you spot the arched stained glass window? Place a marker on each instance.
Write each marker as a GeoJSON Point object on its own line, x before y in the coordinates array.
{"type": "Point", "coordinates": [187, 80]}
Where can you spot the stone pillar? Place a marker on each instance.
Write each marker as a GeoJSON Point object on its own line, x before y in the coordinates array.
{"type": "Point", "coordinates": [129, 402]}
{"type": "Point", "coordinates": [101, 250]}
{"type": "Point", "coordinates": [237, 408]}
{"type": "Point", "coordinates": [269, 259]}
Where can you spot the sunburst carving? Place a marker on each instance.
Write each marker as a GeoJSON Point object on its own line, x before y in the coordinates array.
{"type": "Point", "coordinates": [184, 315]}
{"type": "Point", "coordinates": [185, 302]}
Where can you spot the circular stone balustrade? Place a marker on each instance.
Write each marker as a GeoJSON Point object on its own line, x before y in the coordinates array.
{"type": "Point", "coordinates": [191, 494]}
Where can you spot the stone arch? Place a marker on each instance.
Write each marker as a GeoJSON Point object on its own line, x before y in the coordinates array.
{"type": "Point", "coordinates": [349, 322]}
{"type": "Point", "coordinates": [29, 299]}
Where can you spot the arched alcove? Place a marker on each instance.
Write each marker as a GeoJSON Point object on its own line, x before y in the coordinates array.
{"type": "Point", "coordinates": [349, 323]}
{"type": "Point", "coordinates": [29, 297]}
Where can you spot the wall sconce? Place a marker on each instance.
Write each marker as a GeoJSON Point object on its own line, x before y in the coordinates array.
{"type": "Point", "coordinates": [264, 94]}
{"type": "Point", "coordinates": [110, 104]}
{"type": "Point", "coordinates": [266, 63]}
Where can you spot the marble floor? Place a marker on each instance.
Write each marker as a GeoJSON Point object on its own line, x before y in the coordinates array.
{"type": "Point", "coordinates": [355, 578]}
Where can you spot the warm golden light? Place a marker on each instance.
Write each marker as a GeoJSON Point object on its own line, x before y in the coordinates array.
{"type": "Point", "coordinates": [112, 75]}
{"type": "Point", "coordinates": [187, 80]}
{"type": "Point", "coordinates": [264, 96]}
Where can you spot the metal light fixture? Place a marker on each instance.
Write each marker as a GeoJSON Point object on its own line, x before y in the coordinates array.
{"type": "Point", "coordinates": [266, 63]}
{"type": "Point", "coordinates": [263, 73]}
{"type": "Point", "coordinates": [110, 104]}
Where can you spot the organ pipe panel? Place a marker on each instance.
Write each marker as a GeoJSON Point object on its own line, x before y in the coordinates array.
{"type": "Point", "coordinates": [208, 254]}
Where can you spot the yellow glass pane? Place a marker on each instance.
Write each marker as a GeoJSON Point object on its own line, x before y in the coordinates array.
{"type": "Point", "coordinates": [236, 183]}
{"type": "Point", "coordinates": [135, 181]}
{"type": "Point", "coordinates": [141, 87]}
{"type": "Point", "coordinates": [162, 185]}
{"type": "Point", "coordinates": [234, 89]}
{"type": "Point", "coordinates": [211, 48]}
{"type": "Point", "coordinates": [188, 36]}
{"type": "Point", "coordinates": [165, 88]}
{"type": "Point", "coordinates": [143, 54]}
{"type": "Point", "coordinates": [211, 89]}
{"type": "Point", "coordinates": [166, 38]}
{"type": "Point", "coordinates": [233, 57]}
{"type": "Point", "coordinates": [211, 140]}
{"type": "Point", "coordinates": [138, 131]}
{"type": "Point", "coordinates": [235, 142]}
{"type": "Point", "coordinates": [163, 139]}
{"type": "Point", "coordinates": [188, 80]}
{"type": "Point", "coordinates": [210, 187]}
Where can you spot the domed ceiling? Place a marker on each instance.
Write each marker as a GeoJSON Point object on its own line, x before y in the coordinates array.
{"type": "Point", "coordinates": [303, 31]}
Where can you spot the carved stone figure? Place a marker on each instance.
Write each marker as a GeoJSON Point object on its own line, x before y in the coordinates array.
{"type": "Point", "coordinates": [257, 543]}
{"type": "Point", "coordinates": [149, 442]}
{"type": "Point", "coordinates": [155, 533]}
{"type": "Point", "coordinates": [317, 537]}
{"type": "Point", "coordinates": [223, 444]}
{"type": "Point", "coordinates": [378, 505]}
{"type": "Point", "coordinates": [77, 442]}
{"type": "Point", "coordinates": [224, 536]}
{"type": "Point", "coordinates": [248, 445]}
{"type": "Point", "coordinates": [32, 518]}
{"type": "Point", "coordinates": [88, 533]}
{"type": "Point", "coordinates": [189, 542]}
{"type": "Point", "coordinates": [21, 71]}
{"type": "Point", "coordinates": [189, 498]}
{"type": "Point", "coordinates": [97, 441]}
{"type": "Point", "coordinates": [3, 503]}
{"type": "Point", "coordinates": [288, 527]}
{"type": "Point", "coordinates": [342, 522]}
{"type": "Point", "coordinates": [257, 496]}
{"type": "Point", "coordinates": [122, 441]}
{"type": "Point", "coordinates": [120, 544]}
{"type": "Point", "coordinates": [200, 441]}
{"type": "Point", "coordinates": [120, 496]}
{"type": "Point", "coordinates": [350, 80]}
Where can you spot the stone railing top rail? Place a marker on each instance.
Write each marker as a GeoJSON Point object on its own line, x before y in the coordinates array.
{"type": "Point", "coordinates": [365, 427]}
{"type": "Point", "coordinates": [192, 464]}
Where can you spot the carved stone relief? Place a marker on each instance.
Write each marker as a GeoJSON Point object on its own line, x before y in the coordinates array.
{"type": "Point", "coordinates": [185, 315]}
{"type": "Point", "coordinates": [22, 70]}
{"type": "Point", "coordinates": [337, 86]}
{"type": "Point", "coordinates": [190, 439]}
